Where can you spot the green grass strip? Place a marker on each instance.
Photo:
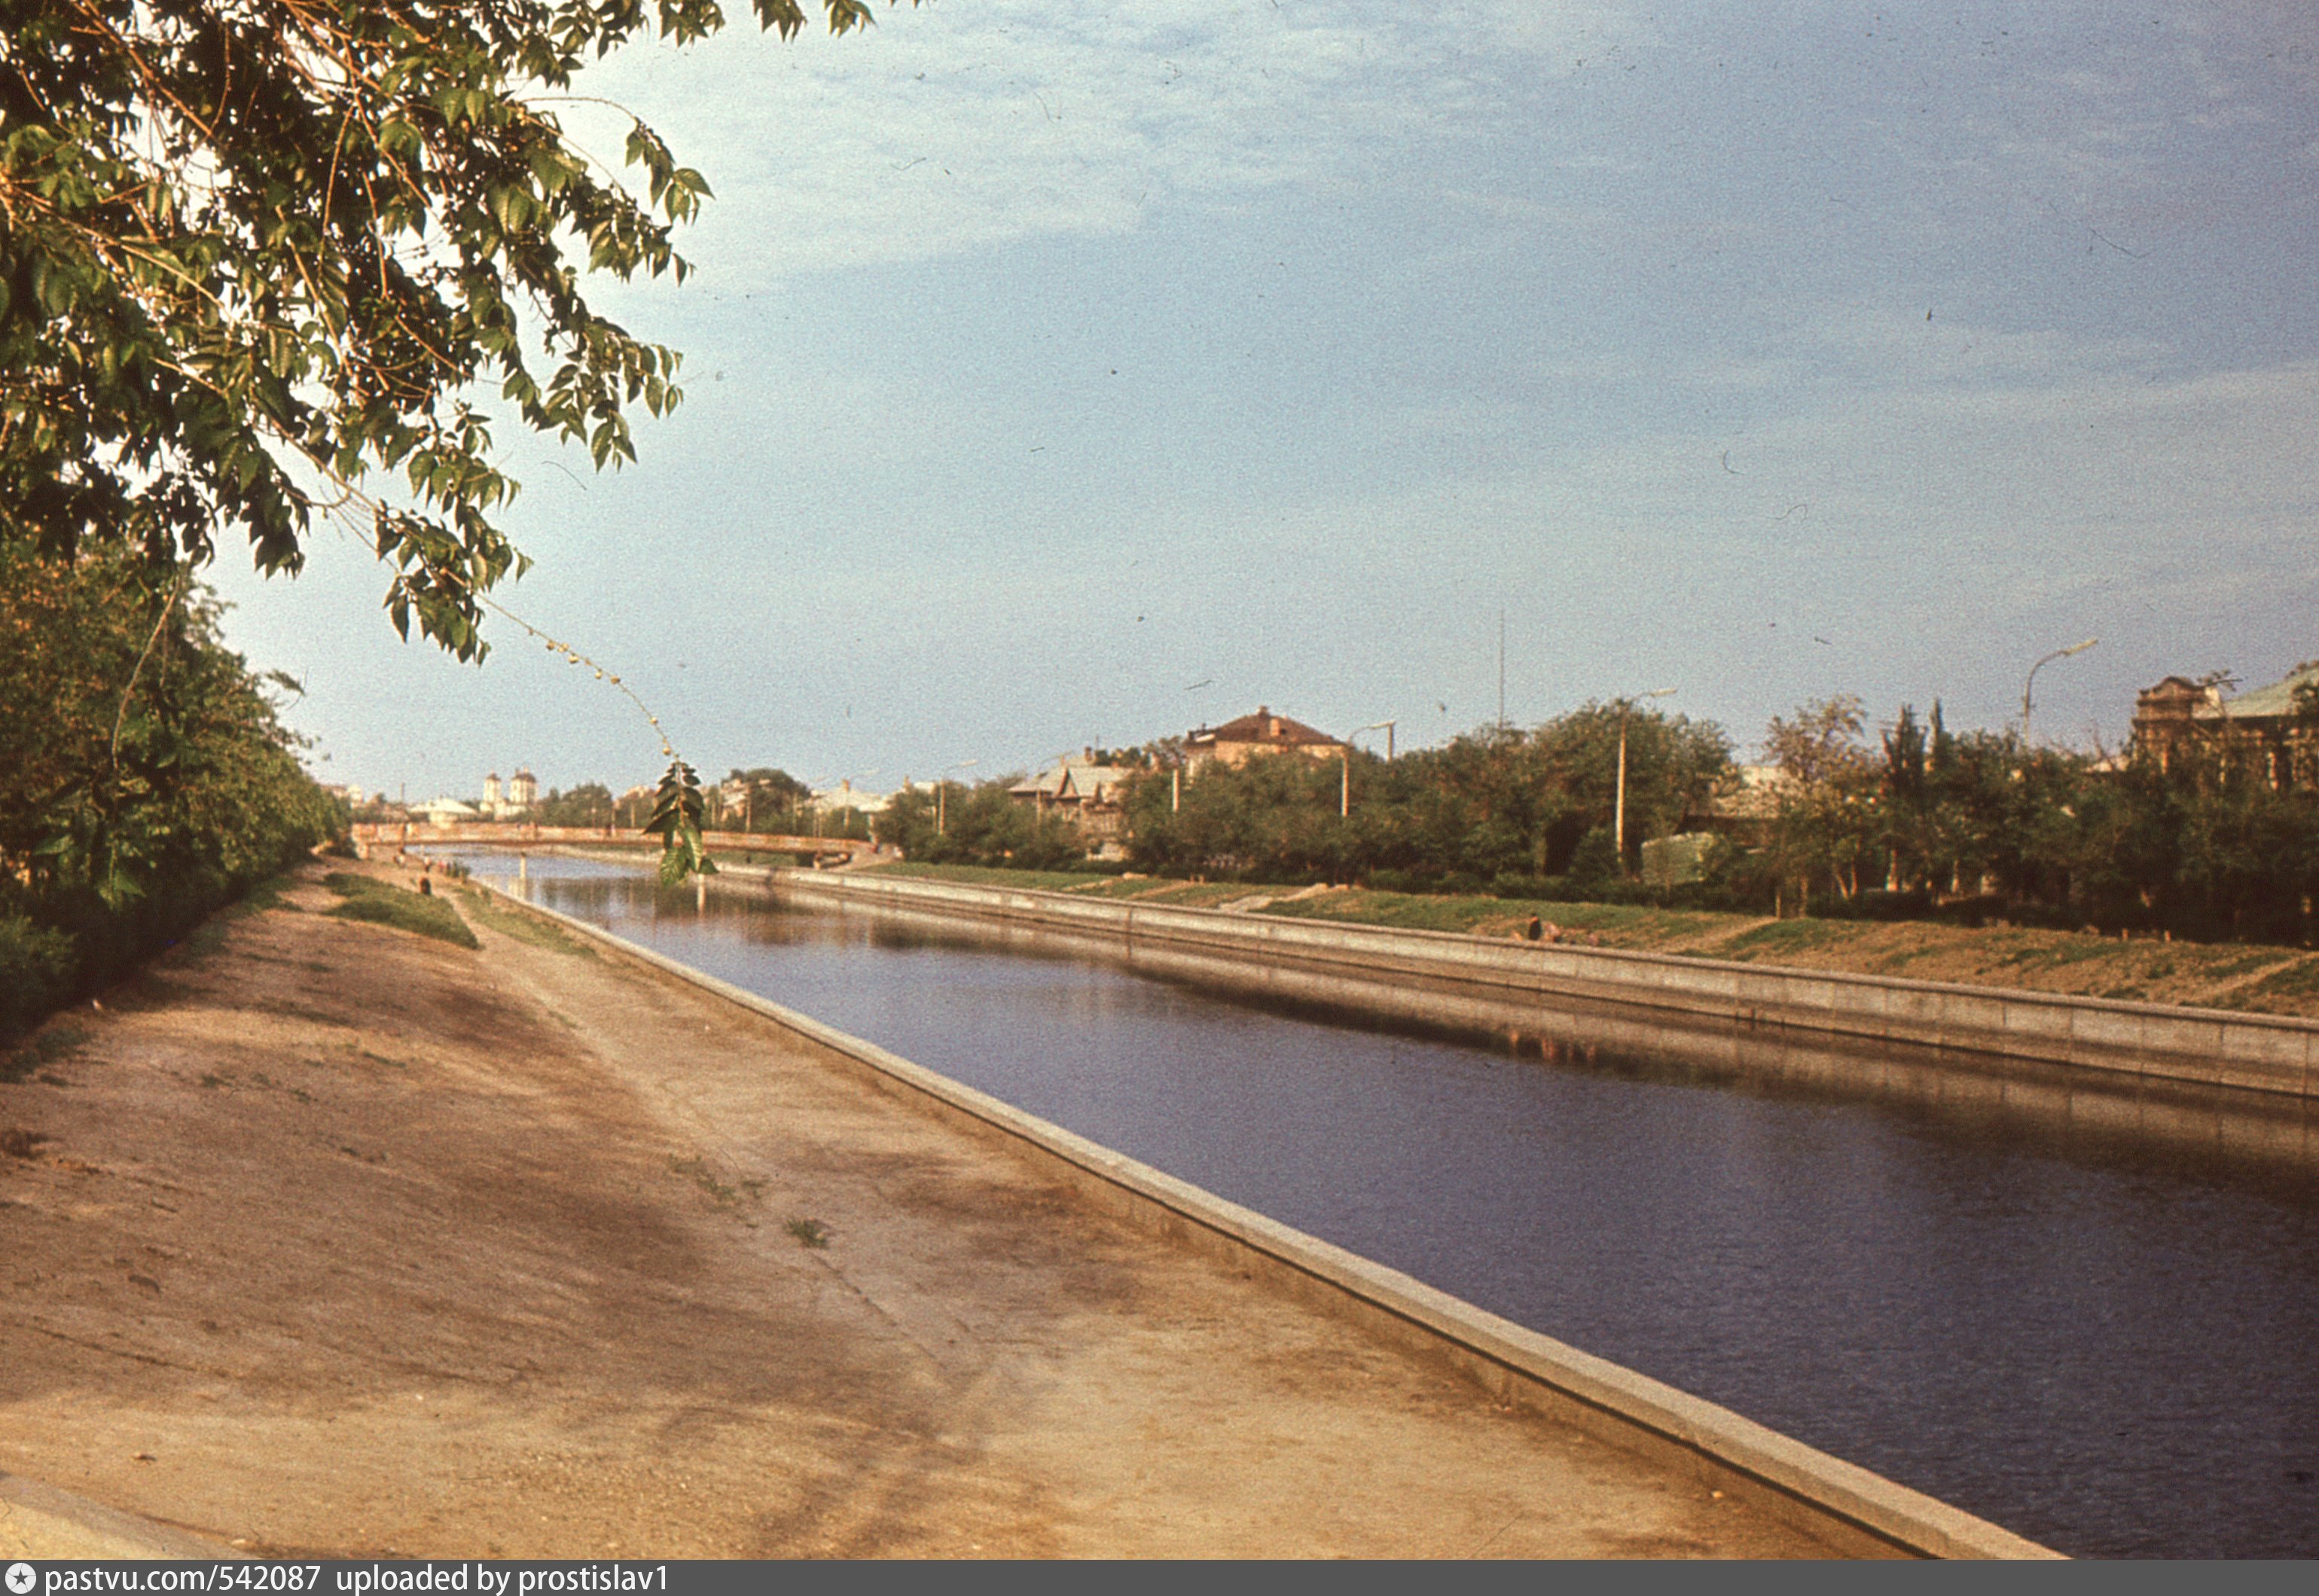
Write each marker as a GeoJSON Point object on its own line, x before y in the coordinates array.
{"type": "Point", "coordinates": [382, 902]}
{"type": "Point", "coordinates": [522, 927]}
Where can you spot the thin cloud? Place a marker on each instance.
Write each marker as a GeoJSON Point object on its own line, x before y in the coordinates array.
{"type": "Point", "coordinates": [955, 128]}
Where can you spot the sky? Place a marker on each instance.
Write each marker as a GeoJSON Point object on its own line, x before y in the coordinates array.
{"type": "Point", "coordinates": [1069, 375]}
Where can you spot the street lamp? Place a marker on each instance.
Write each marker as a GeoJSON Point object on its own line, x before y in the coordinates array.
{"type": "Point", "coordinates": [858, 776]}
{"type": "Point", "coordinates": [813, 798]}
{"type": "Point", "coordinates": [819, 792]}
{"type": "Point", "coordinates": [1345, 764]}
{"type": "Point", "coordinates": [941, 791]}
{"type": "Point", "coordinates": [2059, 653]}
{"type": "Point", "coordinates": [1618, 813]}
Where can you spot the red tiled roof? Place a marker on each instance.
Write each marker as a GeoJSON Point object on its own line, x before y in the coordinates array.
{"type": "Point", "coordinates": [1266, 728]}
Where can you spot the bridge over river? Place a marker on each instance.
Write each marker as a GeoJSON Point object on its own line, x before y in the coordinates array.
{"type": "Point", "coordinates": [418, 833]}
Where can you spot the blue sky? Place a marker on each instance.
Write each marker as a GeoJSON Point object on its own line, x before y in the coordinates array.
{"type": "Point", "coordinates": [1060, 375]}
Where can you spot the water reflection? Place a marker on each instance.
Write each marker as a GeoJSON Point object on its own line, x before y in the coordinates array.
{"type": "Point", "coordinates": [2083, 1311]}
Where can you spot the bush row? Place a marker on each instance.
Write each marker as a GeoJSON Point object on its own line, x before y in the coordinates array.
{"type": "Point", "coordinates": [146, 779]}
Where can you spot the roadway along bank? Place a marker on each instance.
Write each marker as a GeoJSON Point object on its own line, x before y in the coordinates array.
{"type": "Point", "coordinates": [1424, 972]}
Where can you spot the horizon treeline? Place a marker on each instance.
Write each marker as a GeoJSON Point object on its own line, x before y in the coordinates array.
{"type": "Point", "coordinates": [1909, 820]}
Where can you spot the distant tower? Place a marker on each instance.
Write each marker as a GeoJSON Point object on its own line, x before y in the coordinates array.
{"type": "Point", "coordinates": [523, 790]}
{"type": "Point", "coordinates": [491, 790]}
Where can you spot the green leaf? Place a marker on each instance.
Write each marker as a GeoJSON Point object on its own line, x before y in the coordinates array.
{"type": "Point", "coordinates": [678, 814]}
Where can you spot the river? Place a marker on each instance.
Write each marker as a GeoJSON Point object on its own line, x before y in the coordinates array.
{"type": "Point", "coordinates": [2100, 1337]}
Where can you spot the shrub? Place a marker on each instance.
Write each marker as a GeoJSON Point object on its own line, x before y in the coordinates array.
{"type": "Point", "coordinates": [1512, 884]}
{"type": "Point", "coordinates": [36, 971]}
{"type": "Point", "coordinates": [1595, 864]}
{"type": "Point", "coordinates": [144, 781]}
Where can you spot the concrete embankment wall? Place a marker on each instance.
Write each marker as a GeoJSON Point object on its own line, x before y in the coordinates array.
{"type": "Point", "coordinates": [2154, 1042]}
{"type": "Point", "coordinates": [1858, 1511]}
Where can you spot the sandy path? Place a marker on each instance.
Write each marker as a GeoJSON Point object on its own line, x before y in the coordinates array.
{"type": "Point", "coordinates": [326, 1238]}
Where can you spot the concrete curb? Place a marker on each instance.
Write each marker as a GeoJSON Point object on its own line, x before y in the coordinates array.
{"type": "Point", "coordinates": [39, 1522]}
{"type": "Point", "coordinates": [1515, 1363]}
{"type": "Point", "coordinates": [2277, 1055]}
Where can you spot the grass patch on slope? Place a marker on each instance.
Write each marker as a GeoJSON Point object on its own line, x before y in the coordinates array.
{"type": "Point", "coordinates": [2288, 991]}
{"type": "Point", "coordinates": [382, 902]}
{"type": "Point", "coordinates": [489, 911]}
{"type": "Point", "coordinates": [2279, 980]}
{"type": "Point", "coordinates": [1619, 925]}
{"type": "Point", "coordinates": [56, 1043]}
{"type": "Point", "coordinates": [983, 875]}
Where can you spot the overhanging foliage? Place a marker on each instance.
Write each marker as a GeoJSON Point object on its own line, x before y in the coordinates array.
{"type": "Point", "coordinates": [241, 234]}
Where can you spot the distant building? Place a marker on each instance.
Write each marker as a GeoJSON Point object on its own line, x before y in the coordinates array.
{"type": "Point", "coordinates": [1746, 812]}
{"type": "Point", "coordinates": [1679, 859]}
{"type": "Point", "coordinates": [831, 800]}
{"type": "Point", "coordinates": [1080, 792]}
{"type": "Point", "coordinates": [1236, 742]}
{"type": "Point", "coordinates": [508, 800]}
{"type": "Point", "coordinates": [2271, 724]}
{"type": "Point", "coordinates": [445, 811]}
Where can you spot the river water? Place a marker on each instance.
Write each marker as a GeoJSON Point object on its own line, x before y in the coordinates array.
{"type": "Point", "coordinates": [2096, 1327]}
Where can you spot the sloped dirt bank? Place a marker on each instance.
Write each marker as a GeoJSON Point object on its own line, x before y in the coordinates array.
{"type": "Point", "coordinates": [325, 1238]}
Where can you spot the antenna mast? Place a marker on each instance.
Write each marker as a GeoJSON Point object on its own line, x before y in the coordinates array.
{"type": "Point", "coordinates": [1501, 669]}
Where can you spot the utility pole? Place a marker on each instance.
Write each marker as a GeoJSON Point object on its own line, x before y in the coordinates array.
{"type": "Point", "coordinates": [1345, 762]}
{"type": "Point", "coordinates": [2059, 653]}
{"type": "Point", "coordinates": [1501, 669]}
{"type": "Point", "coordinates": [1618, 808]}
{"type": "Point", "coordinates": [1619, 812]}
{"type": "Point", "coordinates": [941, 791]}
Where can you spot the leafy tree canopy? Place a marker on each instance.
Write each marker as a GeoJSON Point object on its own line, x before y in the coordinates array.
{"type": "Point", "coordinates": [766, 789]}
{"type": "Point", "coordinates": [144, 776]}
{"type": "Point", "coordinates": [258, 255]}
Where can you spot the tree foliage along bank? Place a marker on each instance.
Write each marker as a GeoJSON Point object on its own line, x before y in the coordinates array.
{"type": "Point", "coordinates": [144, 777]}
{"type": "Point", "coordinates": [1494, 803]}
{"type": "Point", "coordinates": [1909, 820]}
{"type": "Point", "coordinates": [979, 824]}
{"type": "Point", "coordinates": [2210, 843]}
{"type": "Point", "coordinates": [258, 260]}
{"type": "Point", "coordinates": [245, 247]}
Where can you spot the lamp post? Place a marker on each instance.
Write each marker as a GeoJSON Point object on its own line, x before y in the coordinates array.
{"type": "Point", "coordinates": [812, 802]}
{"type": "Point", "coordinates": [845, 829]}
{"type": "Point", "coordinates": [941, 791]}
{"type": "Point", "coordinates": [2059, 653]}
{"type": "Point", "coordinates": [1345, 764]}
{"type": "Point", "coordinates": [1619, 811]}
